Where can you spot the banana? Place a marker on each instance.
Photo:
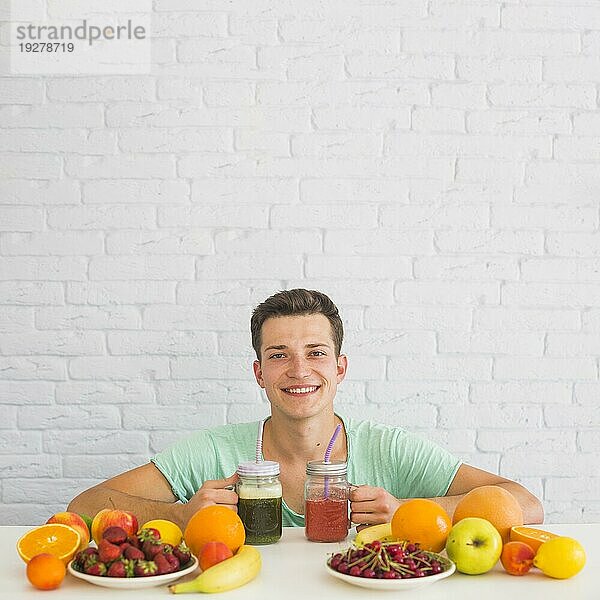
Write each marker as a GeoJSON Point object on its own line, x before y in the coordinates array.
{"type": "Point", "coordinates": [382, 532]}
{"type": "Point", "coordinates": [229, 574]}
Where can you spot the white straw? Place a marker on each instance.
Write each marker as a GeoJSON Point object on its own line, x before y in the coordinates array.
{"type": "Point", "coordinates": [259, 441]}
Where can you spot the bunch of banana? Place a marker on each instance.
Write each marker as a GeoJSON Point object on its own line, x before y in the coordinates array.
{"type": "Point", "coordinates": [229, 574]}
{"type": "Point", "coordinates": [381, 532]}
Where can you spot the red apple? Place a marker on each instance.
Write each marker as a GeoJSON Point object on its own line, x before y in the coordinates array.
{"type": "Point", "coordinates": [113, 517]}
{"type": "Point", "coordinates": [76, 522]}
{"type": "Point", "coordinates": [517, 558]}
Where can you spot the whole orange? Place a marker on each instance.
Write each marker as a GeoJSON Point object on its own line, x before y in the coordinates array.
{"type": "Point", "coordinates": [214, 524]}
{"type": "Point", "coordinates": [46, 571]}
{"type": "Point", "coordinates": [493, 503]}
{"type": "Point", "coordinates": [422, 521]}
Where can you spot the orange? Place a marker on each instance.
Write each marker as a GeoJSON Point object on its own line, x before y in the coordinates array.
{"type": "Point", "coordinates": [422, 521]}
{"type": "Point", "coordinates": [531, 536]}
{"type": "Point", "coordinates": [76, 522]}
{"type": "Point", "coordinates": [46, 571]}
{"type": "Point", "coordinates": [493, 503]}
{"type": "Point", "coordinates": [57, 539]}
{"type": "Point", "coordinates": [214, 524]}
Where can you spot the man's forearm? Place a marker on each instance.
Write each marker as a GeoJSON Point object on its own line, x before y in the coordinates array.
{"type": "Point", "coordinates": [95, 499]}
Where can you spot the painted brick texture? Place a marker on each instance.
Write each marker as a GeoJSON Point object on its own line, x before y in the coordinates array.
{"type": "Point", "coordinates": [433, 166]}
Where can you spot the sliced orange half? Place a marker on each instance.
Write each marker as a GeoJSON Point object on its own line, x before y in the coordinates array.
{"type": "Point", "coordinates": [531, 536]}
{"type": "Point", "coordinates": [55, 538]}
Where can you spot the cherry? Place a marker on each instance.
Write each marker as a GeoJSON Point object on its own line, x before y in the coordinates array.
{"type": "Point", "coordinates": [369, 573]}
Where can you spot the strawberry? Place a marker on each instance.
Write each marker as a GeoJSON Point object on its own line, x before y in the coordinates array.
{"type": "Point", "coordinates": [183, 553]}
{"type": "Point", "coordinates": [144, 568]}
{"type": "Point", "coordinates": [121, 568]}
{"type": "Point", "coordinates": [151, 548]}
{"type": "Point", "coordinates": [134, 541]}
{"type": "Point", "coordinates": [108, 552]}
{"type": "Point", "coordinates": [83, 555]}
{"type": "Point", "coordinates": [95, 568]}
{"type": "Point", "coordinates": [149, 533]}
{"type": "Point", "coordinates": [117, 569]}
{"type": "Point", "coordinates": [166, 563]}
{"type": "Point", "coordinates": [133, 553]}
{"type": "Point", "coordinates": [115, 535]}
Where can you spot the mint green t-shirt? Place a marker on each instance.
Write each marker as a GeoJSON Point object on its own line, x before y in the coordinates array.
{"type": "Point", "coordinates": [404, 464]}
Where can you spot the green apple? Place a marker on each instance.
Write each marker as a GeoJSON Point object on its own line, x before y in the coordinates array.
{"type": "Point", "coordinates": [474, 545]}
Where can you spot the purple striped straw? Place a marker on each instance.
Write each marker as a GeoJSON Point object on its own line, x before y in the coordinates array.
{"type": "Point", "coordinates": [328, 455]}
{"type": "Point", "coordinates": [332, 442]}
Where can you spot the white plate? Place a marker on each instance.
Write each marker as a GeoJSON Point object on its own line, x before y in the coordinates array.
{"type": "Point", "coordinates": [396, 584]}
{"type": "Point", "coordinates": [132, 583]}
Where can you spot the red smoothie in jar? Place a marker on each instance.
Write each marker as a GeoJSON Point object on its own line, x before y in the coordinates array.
{"type": "Point", "coordinates": [326, 519]}
{"type": "Point", "coordinates": [326, 501]}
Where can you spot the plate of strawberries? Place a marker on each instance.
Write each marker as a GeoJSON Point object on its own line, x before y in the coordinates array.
{"type": "Point", "coordinates": [132, 561]}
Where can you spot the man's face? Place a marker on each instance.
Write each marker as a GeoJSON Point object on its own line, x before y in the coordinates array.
{"type": "Point", "coordinates": [298, 368]}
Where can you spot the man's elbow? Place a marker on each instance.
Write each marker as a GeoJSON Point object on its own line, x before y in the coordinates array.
{"type": "Point", "coordinates": [535, 511]}
{"type": "Point", "coordinates": [86, 502]}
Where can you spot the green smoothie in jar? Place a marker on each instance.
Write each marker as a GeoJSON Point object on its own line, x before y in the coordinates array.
{"type": "Point", "coordinates": [259, 501]}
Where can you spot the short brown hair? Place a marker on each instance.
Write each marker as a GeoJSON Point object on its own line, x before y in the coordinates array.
{"type": "Point", "coordinates": [296, 302]}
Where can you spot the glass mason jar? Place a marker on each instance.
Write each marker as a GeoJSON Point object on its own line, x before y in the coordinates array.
{"type": "Point", "coordinates": [326, 501]}
{"type": "Point", "coordinates": [259, 501]}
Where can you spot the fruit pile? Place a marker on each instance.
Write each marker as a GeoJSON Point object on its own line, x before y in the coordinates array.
{"type": "Point", "coordinates": [487, 526]}
{"type": "Point", "coordinates": [387, 560]}
{"type": "Point", "coordinates": [142, 555]}
{"type": "Point", "coordinates": [215, 535]}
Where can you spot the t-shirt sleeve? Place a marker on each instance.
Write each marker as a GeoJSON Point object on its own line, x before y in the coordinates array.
{"type": "Point", "coordinates": [425, 468]}
{"type": "Point", "coordinates": [188, 463]}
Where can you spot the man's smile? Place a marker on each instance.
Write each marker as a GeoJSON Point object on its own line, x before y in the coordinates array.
{"type": "Point", "coordinates": [309, 389]}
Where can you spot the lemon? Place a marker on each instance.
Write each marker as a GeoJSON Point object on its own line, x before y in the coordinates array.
{"type": "Point", "coordinates": [560, 557]}
{"type": "Point", "coordinates": [381, 532]}
{"type": "Point", "coordinates": [170, 532]}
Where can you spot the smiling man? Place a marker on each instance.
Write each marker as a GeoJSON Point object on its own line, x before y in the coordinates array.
{"type": "Point", "coordinates": [297, 336]}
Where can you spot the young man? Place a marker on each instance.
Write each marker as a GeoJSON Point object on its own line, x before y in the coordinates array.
{"type": "Point", "coordinates": [297, 336]}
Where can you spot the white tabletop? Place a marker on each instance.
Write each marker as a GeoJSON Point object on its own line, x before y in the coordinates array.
{"type": "Point", "coordinates": [295, 569]}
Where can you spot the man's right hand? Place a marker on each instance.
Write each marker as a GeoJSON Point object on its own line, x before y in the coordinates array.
{"type": "Point", "coordinates": [214, 491]}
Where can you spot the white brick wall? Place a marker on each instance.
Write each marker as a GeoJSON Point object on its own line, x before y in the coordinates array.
{"type": "Point", "coordinates": [434, 166]}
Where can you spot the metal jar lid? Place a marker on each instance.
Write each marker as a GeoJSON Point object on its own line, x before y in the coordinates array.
{"type": "Point", "coordinates": [265, 468]}
{"type": "Point", "coordinates": [320, 467]}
